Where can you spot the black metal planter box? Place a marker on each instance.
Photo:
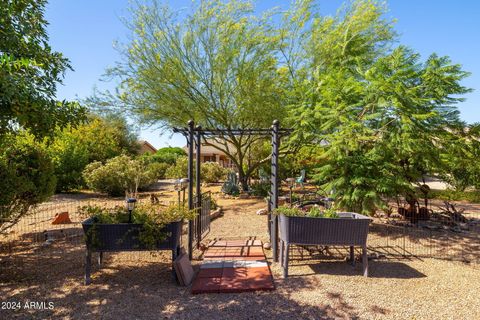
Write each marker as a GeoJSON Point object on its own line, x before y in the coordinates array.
{"type": "Point", "coordinates": [124, 237]}
{"type": "Point", "coordinates": [350, 229]}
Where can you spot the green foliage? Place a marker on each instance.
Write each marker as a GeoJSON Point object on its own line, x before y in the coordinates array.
{"type": "Point", "coordinates": [152, 217]}
{"type": "Point", "coordinates": [212, 172]}
{"type": "Point", "coordinates": [217, 64]}
{"type": "Point", "coordinates": [289, 211]}
{"type": "Point", "coordinates": [453, 195]}
{"type": "Point", "coordinates": [119, 176]}
{"type": "Point", "coordinates": [70, 158]}
{"type": "Point", "coordinates": [313, 212]}
{"type": "Point", "coordinates": [168, 155]}
{"type": "Point", "coordinates": [459, 157]}
{"type": "Point", "coordinates": [380, 113]}
{"type": "Point", "coordinates": [178, 170]}
{"type": "Point", "coordinates": [98, 139]}
{"type": "Point", "coordinates": [26, 178]}
{"type": "Point", "coordinates": [260, 189]}
{"type": "Point", "coordinates": [230, 186]}
{"type": "Point", "coordinates": [30, 72]}
{"type": "Point", "coordinates": [158, 169]}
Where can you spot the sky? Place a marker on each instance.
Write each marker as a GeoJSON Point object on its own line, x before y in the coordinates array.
{"type": "Point", "coordinates": [85, 32]}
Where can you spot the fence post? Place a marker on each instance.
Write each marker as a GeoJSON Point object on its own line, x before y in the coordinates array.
{"type": "Point", "coordinates": [198, 143]}
{"type": "Point", "coordinates": [190, 186]}
{"type": "Point", "coordinates": [274, 189]}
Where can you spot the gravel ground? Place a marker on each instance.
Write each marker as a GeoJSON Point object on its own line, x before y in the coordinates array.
{"type": "Point", "coordinates": [139, 285]}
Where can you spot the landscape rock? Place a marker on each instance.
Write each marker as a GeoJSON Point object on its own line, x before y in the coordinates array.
{"type": "Point", "coordinates": [262, 212]}
{"type": "Point", "coordinates": [267, 245]}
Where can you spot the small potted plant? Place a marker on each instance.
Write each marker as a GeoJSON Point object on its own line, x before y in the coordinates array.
{"type": "Point", "coordinates": [148, 227]}
{"type": "Point", "coordinates": [321, 227]}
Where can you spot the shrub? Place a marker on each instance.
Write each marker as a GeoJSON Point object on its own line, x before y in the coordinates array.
{"type": "Point", "coordinates": [212, 172]}
{"type": "Point", "coordinates": [167, 155]}
{"type": "Point", "coordinates": [98, 139]}
{"type": "Point", "coordinates": [70, 159]}
{"type": "Point", "coordinates": [118, 176]}
{"type": "Point", "coordinates": [260, 189]}
{"type": "Point", "coordinates": [178, 170]}
{"type": "Point", "coordinates": [26, 178]}
{"type": "Point", "coordinates": [158, 169]}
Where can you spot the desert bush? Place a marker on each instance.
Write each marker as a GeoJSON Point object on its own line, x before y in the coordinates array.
{"type": "Point", "coordinates": [178, 170]}
{"type": "Point", "coordinates": [118, 176]}
{"type": "Point", "coordinates": [212, 172]}
{"type": "Point", "coordinates": [158, 169]}
{"type": "Point", "coordinates": [26, 178]}
{"type": "Point", "coordinates": [167, 155]}
{"type": "Point", "coordinates": [260, 189]}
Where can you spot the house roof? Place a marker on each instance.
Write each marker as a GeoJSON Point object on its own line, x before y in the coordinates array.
{"type": "Point", "coordinates": [147, 145]}
{"type": "Point", "coordinates": [208, 149]}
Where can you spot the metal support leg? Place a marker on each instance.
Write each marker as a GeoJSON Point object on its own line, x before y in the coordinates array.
{"type": "Point", "coordinates": [174, 257]}
{"type": "Point", "coordinates": [88, 265]}
{"type": "Point", "coordinates": [100, 258]}
{"type": "Point", "coordinates": [282, 252]}
{"type": "Point", "coordinates": [352, 255]}
{"type": "Point", "coordinates": [285, 263]}
{"type": "Point", "coordinates": [365, 261]}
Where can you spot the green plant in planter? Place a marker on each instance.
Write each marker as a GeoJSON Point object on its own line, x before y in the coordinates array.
{"type": "Point", "coordinates": [152, 217]}
{"type": "Point", "coordinates": [330, 213]}
{"type": "Point", "coordinates": [313, 212]}
{"type": "Point", "coordinates": [289, 212]}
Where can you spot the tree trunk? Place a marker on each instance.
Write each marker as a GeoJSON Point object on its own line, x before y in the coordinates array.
{"type": "Point", "coordinates": [243, 178]}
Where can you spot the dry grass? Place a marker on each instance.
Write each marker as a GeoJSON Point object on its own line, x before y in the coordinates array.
{"type": "Point", "coordinates": [139, 286]}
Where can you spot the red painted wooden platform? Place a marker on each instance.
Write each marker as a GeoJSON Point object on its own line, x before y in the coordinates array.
{"type": "Point", "coordinates": [233, 266]}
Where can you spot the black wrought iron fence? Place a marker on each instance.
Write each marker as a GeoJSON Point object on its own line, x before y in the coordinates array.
{"type": "Point", "coordinates": [201, 224]}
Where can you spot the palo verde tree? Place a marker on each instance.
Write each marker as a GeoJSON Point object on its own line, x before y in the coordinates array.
{"type": "Point", "coordinates": [217, 65]}
{"type": "Point", "coordinates": [381, 113]}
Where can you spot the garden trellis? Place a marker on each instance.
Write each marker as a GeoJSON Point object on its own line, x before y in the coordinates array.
{"type": "Point", "coordinates": [193, 135]}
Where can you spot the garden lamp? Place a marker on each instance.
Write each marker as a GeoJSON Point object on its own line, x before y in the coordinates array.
{"type": "Point", "coordinates": [183, 185]}
{"type": "Point", "coordinates": [178, 188]}
{"type": "Point", "coordinates": [291, 183]}
{"type": "Point", "coordinates": [130, 207]}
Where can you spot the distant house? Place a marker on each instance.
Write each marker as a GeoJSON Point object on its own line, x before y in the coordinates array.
{"type": "Point", "coordinates": [211, 154]}
{"type": "Point", "coordinates": [145, 147]}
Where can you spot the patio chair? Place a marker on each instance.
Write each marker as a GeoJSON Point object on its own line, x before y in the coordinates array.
{"type": "Point", "coordinates": [301, 179]}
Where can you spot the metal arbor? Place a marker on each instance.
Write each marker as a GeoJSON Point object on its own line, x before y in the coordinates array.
{"type": "Point", "coordinates": [194, 135]}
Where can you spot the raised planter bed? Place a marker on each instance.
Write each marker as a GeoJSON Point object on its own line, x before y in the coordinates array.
{"type": "Point", "coordinates": [350, 229]}
{"type": "Point", "coordinates": [118, 237]}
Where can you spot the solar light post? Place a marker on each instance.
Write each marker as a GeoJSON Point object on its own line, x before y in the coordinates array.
{"type": "Point", "coordinates": [183, 186]}
{"type": "Point", "coordinates": [291, 183]}
{"type": "Point", "coordinates": [178, 188]}
{"type": "Point", "coordinates": [130, 206]}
